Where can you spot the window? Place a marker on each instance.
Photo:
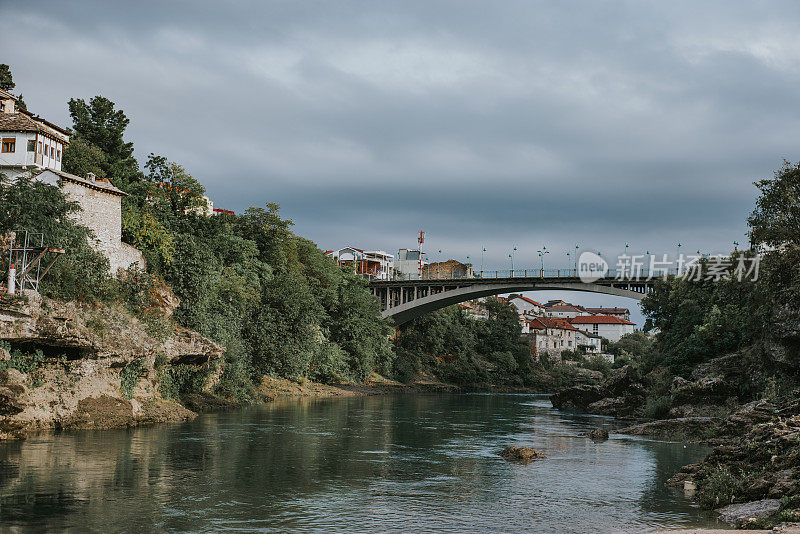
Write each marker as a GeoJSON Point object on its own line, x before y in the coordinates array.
{"type": "Point", "coordinates": [52, 152]}
{"type": "Point", "coordinates": [595, 328]}
{"type": "Point", "coordinates": [31, 145]}
{"type": "Point", "coordinates": [40, 147]}
{"type": "Point", "coordinates": [58, 155]}
{"type": "Point", "coordinates": [10, 144]}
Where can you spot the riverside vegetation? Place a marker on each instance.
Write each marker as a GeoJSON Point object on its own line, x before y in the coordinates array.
{"type": "Point", "coordinates": [268, 302]}
{"type": "Point", "coordinates": [724, 367]}
{"type": "Point", "coordinates": [262, 301]}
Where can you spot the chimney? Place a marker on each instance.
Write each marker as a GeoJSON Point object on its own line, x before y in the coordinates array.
{"type": "Point", "coordinates": [90, 176]}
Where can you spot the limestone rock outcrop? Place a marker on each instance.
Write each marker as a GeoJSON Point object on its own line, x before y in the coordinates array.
{"type": "Point", "coordinates": [77, 375]}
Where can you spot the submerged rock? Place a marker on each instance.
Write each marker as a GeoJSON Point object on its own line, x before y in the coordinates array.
{"type": "Point", "coordinates": [521, 454]}
{"type": "Point", "coordinates": [598, 434]}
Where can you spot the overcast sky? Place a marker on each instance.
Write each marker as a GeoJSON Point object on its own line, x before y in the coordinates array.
{"type": "Point", "coordinates": [495, 124]}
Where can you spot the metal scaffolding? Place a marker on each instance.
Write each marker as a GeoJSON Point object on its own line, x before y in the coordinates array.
{"type": "Point", "coordinates": [29, 260]}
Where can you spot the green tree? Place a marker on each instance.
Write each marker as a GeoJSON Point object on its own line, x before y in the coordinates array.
{"type": "Point", "coordinates": [82, 157]}
{"type": "Point", "coordinates": [6, 78]}
{"type": "Point", "coordinates": [98, 123]}
{"type": "Point", "coordinates": [775, 221]}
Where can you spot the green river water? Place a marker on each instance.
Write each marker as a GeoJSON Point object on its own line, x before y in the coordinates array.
{"type": "Point", "coordinates": [370, 464]}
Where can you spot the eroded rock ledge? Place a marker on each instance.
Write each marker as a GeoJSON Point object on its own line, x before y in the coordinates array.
{"type": "Point", "coordinates": [83, 352]}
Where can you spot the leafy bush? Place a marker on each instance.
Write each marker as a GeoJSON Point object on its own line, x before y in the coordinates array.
{"type": "Point", "coordinates": [719, 487]}
{"type": "Point", "coordinates": [176, 381]}
{"type": "Point", "coordinates": [462, 350]}
{"type": "Point", "coordinates": [129, 377]}
{"type": "Point", "coordinates": [657, 407]}
{"type": "Point", "coordinates": [29, 364]}
{"type": "Point", "coordinates": [598, 363]}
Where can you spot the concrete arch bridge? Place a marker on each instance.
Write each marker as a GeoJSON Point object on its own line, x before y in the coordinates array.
{"type": "Point", "coordinates": [405, 300]}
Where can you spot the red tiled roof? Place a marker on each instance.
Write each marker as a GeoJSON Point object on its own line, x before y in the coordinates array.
{"type": "Point", "coordinates": [551, 322]}
{"type": "Point", "coordinates": [526, 299]}
{"type": "Point", "coordinates": [598, 319]}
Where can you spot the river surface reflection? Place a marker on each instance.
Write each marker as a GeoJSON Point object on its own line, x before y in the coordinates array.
{"type": "Point", "coordinates": [391, 464]}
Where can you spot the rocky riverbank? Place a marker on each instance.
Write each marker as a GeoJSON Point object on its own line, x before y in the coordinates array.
{"type": "Point", "coordinates": [73, 365]}
{"type": "Point", "coordinates": [752, 476]}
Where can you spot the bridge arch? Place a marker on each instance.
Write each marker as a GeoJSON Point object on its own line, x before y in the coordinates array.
{"type": "Point", "coordinates": [398, 303]}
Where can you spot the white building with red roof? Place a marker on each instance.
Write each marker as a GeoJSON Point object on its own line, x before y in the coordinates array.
{"type": "Point", "coordinates": [607, 326]}
{"type": "Point", "coordinates": [526, 307]}
{"type": "Point", "coordinates": [552, 335]}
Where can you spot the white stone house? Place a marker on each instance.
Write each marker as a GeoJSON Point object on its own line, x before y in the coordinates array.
{"type": "Point", "coordinates": [564, 310]}
{"type": "Point", "coordinates": [591, 343]}
{"type": "Point", "coordinates": [101, 203]}
{"type": "Point", "coordinates": [607, 326]}
{"type": "Point", "coordinates": [551, 336]}
{"type": "Point", "coordinates": [28, 142]}
{"type": "Point", "coordinates": [526, 308]}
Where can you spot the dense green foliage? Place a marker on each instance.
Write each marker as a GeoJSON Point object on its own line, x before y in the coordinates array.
{"type": "Point", "coordinates": [271, 298]}
{"type": "Point", "coordinates": [466, 351]}
{"type": "Point", "coordinates": [758, 320]}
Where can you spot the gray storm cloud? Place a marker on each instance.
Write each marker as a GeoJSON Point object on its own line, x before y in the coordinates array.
{"type": "Point", "coordinates": [497, 125]}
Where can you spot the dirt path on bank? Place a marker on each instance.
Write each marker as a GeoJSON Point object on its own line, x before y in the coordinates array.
{"type": "Point", "coordinates": [278, 388]}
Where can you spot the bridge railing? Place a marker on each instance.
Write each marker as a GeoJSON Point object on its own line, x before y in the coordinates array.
{"type": "Point", "coordinates": [642, 274]}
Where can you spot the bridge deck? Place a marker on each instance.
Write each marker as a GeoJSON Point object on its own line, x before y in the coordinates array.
{"type": "Point", "coordinates": [403, 300]}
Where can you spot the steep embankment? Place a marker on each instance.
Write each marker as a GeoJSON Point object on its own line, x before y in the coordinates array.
{"type": "Point", "coordinates": [73, 365]}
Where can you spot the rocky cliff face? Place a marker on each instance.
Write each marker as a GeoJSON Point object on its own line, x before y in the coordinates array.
{"type": "Point", "coordinates": [80, 365]}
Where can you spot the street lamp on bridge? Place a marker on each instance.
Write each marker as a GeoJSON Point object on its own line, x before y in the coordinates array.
{"type": "Point", "coordinates": [512, 260]}
{"type": "Point", "coordinates": [541, 257]}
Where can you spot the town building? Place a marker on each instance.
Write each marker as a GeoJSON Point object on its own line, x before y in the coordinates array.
{"type": "Point", "coordinates": [409, 263]}
{"type": "Point", "coordinates": [607, 326]}
{"type": "Point", "coordinates": [101, 212]}
{"type": "Point", "coordinates": [447, 270]}
{"type": "Point", "coordinates": [551, 336]}
{"type": "Point", "coordinates": [475, 309]}
{"type": "Point", "coordinates": [564, 310]}
{"type": "Point", "coordinates": [28, 142]}
{"type": "Point", "coordinates": [588, 342]}
{"type": "Point", "coordinates": [371, 264]}
{"type": "Point", "coordinates": [622, 313]}
{"type": "Point", "coordinates": [526, 308]}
